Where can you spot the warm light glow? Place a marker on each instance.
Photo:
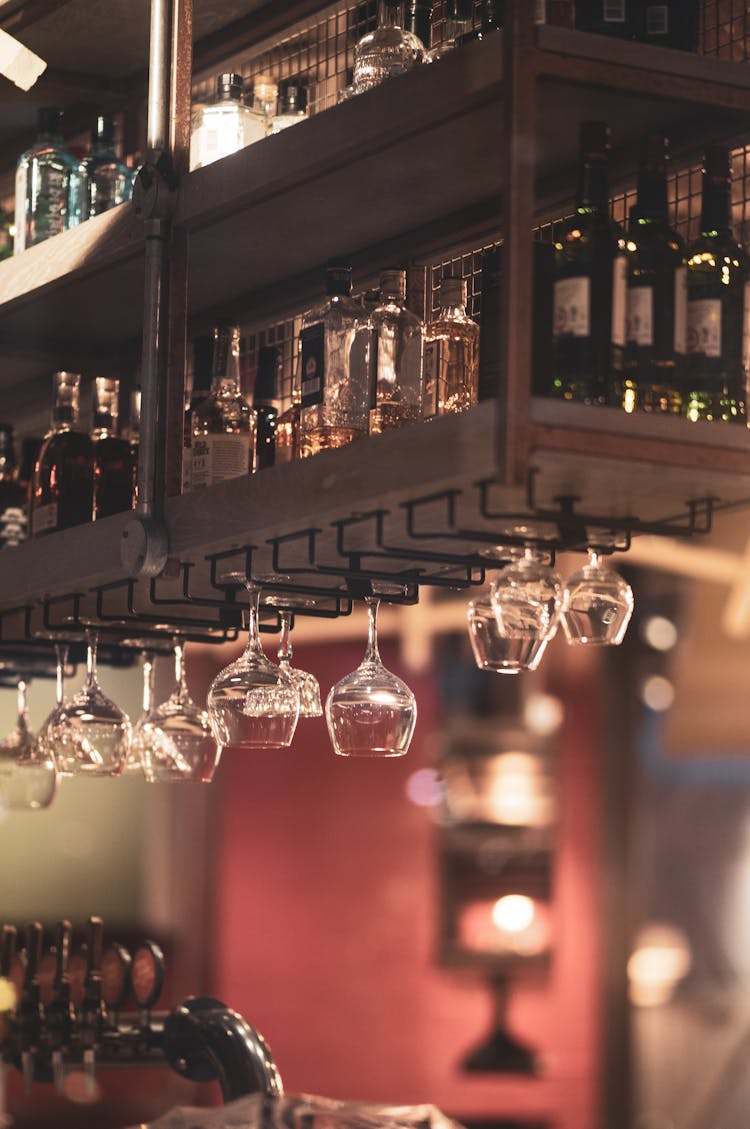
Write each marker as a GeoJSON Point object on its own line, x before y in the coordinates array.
{"type": "Point", "coordinates": [513, 913]}
{"type": "Point", "coordinates": [543, 714]}
{"type": "Point", "coordinates": [661, 960]}
{"type": "Point", "coordinates": [659, 632]}
{"type": "Point", "coordinates": [657, 692]}
{"type": "Point", "coordinates": [517, 792]}
{"type": "Point", "coordinates": [424, 788]}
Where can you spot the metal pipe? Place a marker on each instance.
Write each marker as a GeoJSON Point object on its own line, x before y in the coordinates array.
{"type": "Point", "coordinates": [159, 65]}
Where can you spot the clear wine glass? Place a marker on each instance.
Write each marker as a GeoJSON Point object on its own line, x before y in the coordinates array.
{"type": "Point", "coordinates": [597, 605]}
{"type": "Point", "coordinates": [134, 761]}
{"type": "Point", "coordinates": [526, 598]}
{"type": "Point", "coordinates": [252, 703]}
{"type": "Point", "coordinates": [89, 734]}
{"type": "Point", "coordinates": [174, 740]}
{"type": "Point", "coordinates": [28, 777]}
{"type": "Point", "coordinates": [493, 650]}
{"type": "Point", "coordinates": [307, 684]}
{"type": "Point", "coordinates": [371, 712]}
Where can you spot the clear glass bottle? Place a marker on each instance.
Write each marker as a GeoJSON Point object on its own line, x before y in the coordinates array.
{"type": "Point", "coordinates": [396, 365]}
{"type": "Point", "coordinates": [387, 51]}
{"type": "Point", "coordinates": [265, 395]}
{"type": "Point", "coordinates": [263, 109]}
{"type": "Point", "coordinates": [451, 354]}
{"type": "Point", "coordinates": [107, 181]}
{"type": "Point", "coordinates": [63, 485]}
{"type": "Point", "coordinates": [292, 105]}
{"type": "Point", "coordinates": [113, 455]}
{"type": "Point", "coordinates": [334, 367]}
{"type": "Point", "coordinates": [13, 496]}
{"type": "Point", "coordinates": [223, 423]}
{"type": "Point", "coordinates": [417, 21]}
{"type": "Point", "coordinates": [458, 14]}
{"type": "Point", "coordinates": [220, 127]}
{"type": "Point", "coordinates": [200, 387]}
{"type": "Point", "coordinates": [49, 183]}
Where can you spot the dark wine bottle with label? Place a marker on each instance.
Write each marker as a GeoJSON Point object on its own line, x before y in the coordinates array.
{"type": "Point", "coordinates": [656, 328]}
{"type": "Point", "coordinates": [717, 303]}
{"type": "Point", "coordinates": [590, 284]}
{"type": "Point", "coordinates": [63, 486]}
{"type": "Point", "coordinates": [607, 17]}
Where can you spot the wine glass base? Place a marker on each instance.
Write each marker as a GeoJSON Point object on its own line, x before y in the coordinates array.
{"type": "Point", "coordinates": [369, 753]}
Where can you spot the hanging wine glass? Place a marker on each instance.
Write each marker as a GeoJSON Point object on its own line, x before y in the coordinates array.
{"type": "Point", "coordinates": [252, 703]}
{"type": "Point", "coordinates": [371, 712]}
{"type": "Point", "coordinates": [134, 761]}
{"type": "Point", "coordinates": [306, 683]}
{"type": "Point", "coordinates": [28, 777]}
{"type": "Point", "coordinates": [89, 734]}
{"type": "Point", "coordinates": [597, 605]}
{"type": "Point", "coordinates": [493, 650]}
{"type": "Point", "coordinates": [174, 740]}
{"type": "Point", "coordinates": [526, 598]}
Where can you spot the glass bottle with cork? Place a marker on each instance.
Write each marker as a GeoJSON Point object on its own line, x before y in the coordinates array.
{"type": "Point", "coordinates": [223, 424]}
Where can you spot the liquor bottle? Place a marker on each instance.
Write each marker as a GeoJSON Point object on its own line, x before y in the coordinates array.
{"type": "Point", "coordinates": [13, 496]}
{"type": "Point", "coordinates": [223, 423]}
{"type": "Point", "coordinates": [292, 105]}
{"type": "Point", "coordinates": [113, 455]}
{"type": "Point", "coordinates": [107, 182]}
{"type": "Point", "coordinates": [387, 51]}
{"type": "Point", "coordinates": [220, 127]}
{"type": "Point", "coordinates": [287, 444]}
{"type": "Point", "coordinates": [63, 484]}
{"type": "Point", "coordinates": [265, 394]}
{"type": "Point", "coordinates": [334, 404]}
{"type": "Point", "coordinates": [458, 14]}
{"type": "Point", "coordinates": [417, 21]}
{"type": "Point", "coordinates": [261, 113]}
{"type": "Point", "coordinates": [656, 330]}
{"type": "Point", "coordinates": [397, 361]}
{"type": "Point", "coordinates": [717, 279]}
{"type": "Point", "coordinates": [451, 354]}
{"type": "Point", "coordinates": [672, 23]}
{"type": "Point", "coordinates": [48, 185]}
{"type": "Point", "coordinates": [200, 387]}
{"type": "Point", "coordinates": [607, 17]}
{"type": "Point", "coordinates": [590, 283]}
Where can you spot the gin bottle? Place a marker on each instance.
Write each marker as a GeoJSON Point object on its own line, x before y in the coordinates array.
{"type": "Point", "coordinates": [107, 181]}
{"type": "Point", "coordinates": [224, 423]}
{"type": "Point", "coordinates": [113, 455]}
{"type": "Point", "coordinates": [265, 394]}
{"type": "Point", "coordinates": [396, 364]}
{"type": "Point", "coordinates": [13, 495]}
{"type": "Point", "coordinates": [292, 105]}
{"type": "Point", "coordinates": [333, 368]}
{"type": "Point", "coordinates": [260, 114]}
{"type": "Point", "coordinates": [62, 492]}
{"type": "Point", "coordinates": [451, 354]}
{"type": "Point", "coordinates": [223, 126]}
{"type": "Point", "coordinates": [48, 186]}
{"type": "Point", "coordinates": [387, 51]}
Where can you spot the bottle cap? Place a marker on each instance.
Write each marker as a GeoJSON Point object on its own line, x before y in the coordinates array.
{"type": "Point", "coordinates": [338, 277]}
{"type": "Point", "coordinates": [265, 92]}
{"type": "Point", "coordinates": [64, 379]}
{"type": "Point", "coordinates": [106, 401]}
{"type": "Point", "coordinates": [292, 96]}
{"type": "Point", "coordinates": [595, 141]}
{"type": "Point", "coordinates": [49, 119]}
{"type": "Point", "coordinates": [103, 130]}
{"type": "Point", "coordinates": [229, 87]}
{"type": "Point", "coordinates": [393, 283]}
{"type": "Point", "coordinates": [717, 163]}
{"type": "Point", "coordinates": [266, 388]}
{"type": "Point", "coordinates": [453, 291]}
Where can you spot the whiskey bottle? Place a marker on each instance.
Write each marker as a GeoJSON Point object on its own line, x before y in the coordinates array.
{"type": "Point", "coordinates": [334, 404]}
{"type": "Point", "coordinates": [397, 361]}
{"type": "Point", "coordinates": [265, 395]}
{"type": "Point", "coordinates": [717, 280]}
{"type": "Point", "coordinates": [200, 387]}
{"type": "Point", "coordinates": [107, 182]}
{"type": "Point", "coordinates": [48, 185]}
{"type": "Point", "coordinates": [590, 283]}
{"type": "Point", "coordinates": [292, 105]}
{"type": "Point", "coordinates": [13, 495]}
{"type": "Point", "coordinates": [63, 484]}
{"type": "Point", "coordinates": [656, 331]}
{"type": "Point", "coordinates": [451, 354]}
{"type": "Point", "coordinates": [113, 455]}
{"type": "Point", "coordinates": [223, 424]}
{"type": "Point", "coordinates": [387, 51]}
{"type": "Point", "coordinates": [220, 127]}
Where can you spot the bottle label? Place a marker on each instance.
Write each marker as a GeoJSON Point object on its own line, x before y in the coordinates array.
{"type": "Point", "coordinates": [640, 321]}
{"type": "Point", "coordinates": [44, 518]}
{"type": "Point", "coordinates": [619, 300]}
{"type": "Point", "coordinates": [431, 378]}
{"type": "Point", "coordinates": [218, 457]}
{"type": "Point", "coordinates": [680, 311]}
{"type": "Point", "coordinates": [613, 11]}
{"type": "Point", "coordinates": [312, 361]}
{"type": "Point", "coordinates": [13, 527]}
{"type": "Point", "coordinates": [704, 326]}
{"type": "Point", "coordinates": [657, 19]}
{"type": "Point", "coordinates": [572, 307]}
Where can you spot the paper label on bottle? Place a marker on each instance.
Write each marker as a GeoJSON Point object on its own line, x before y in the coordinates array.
{"type": "Point", "coordinates": [746, 330]}
{"type": "Point", "coordinates": [704, 326]}
{"type": "Point", "coordinates": [640, 320]}
{"type": "Point", "coordinates": [614, 11]}
{"type": "Point", "coordinates": [432, 360]}
{"type": "Point", "coordinates": [657, 19]}
{"type": "Point", "coordinates": [44, 518]}
{"type": "Point", "coordinates": [312, 361]}
{"type": "Point", "coordinates": [13, 527]}
{"type": "Point", "coordinates": [680, 310]}
{"type": "Point", "coordinates": [218, 457]}
{"type": "Point", "coordinates": [619, 299]}
{"type": "Point", "coordinates": [572, 307]}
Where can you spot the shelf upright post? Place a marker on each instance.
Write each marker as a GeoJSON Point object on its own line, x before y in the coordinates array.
{"type": "Point", "coordinates": [144, 544]}
{"type": "Point", "coordinates": [518, 143]}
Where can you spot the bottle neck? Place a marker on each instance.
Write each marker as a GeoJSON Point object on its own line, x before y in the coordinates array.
{"type": "Point", "coordinates": [64, 416]}
{"type": "Point", "coordinates": [717, 206]}
{"type": "Point", "coordinates": [389, 15]}
{"type": "Point", "coordinates": [105, 426]}
{"type": "Point", "coordinates": [452, 312]}
{"type": "Point", "coordinates": [593, 186]}
{"type": "Point", "coordinates": [652, 195]}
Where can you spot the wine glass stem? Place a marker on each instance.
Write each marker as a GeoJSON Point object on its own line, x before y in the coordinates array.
{"type": "Point", "coordinates": [179, 668]}
{"type": "Point", "coordinates": [92, 644]}
{"type": "Point", "coordinates": [148, 682]}
{"type": "Point", "coordinates": [372, 654]}
{"type": "Point", "coordinates": [61, 654]}
{"type": "Point", "coordinates": [593, 558]}
{"type": "Point", "coordinates": [253, 633]}
{"type": "Point", "coordinates": [284, 653]}
{"type": "Point", "coordinates": [21, 699]}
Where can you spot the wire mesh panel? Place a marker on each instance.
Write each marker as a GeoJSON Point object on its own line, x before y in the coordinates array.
{"type": "Point", "coordinates": [725, 28]}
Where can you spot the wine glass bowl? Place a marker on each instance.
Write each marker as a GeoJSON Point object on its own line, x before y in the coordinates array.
{"type": "Point", "coordinates": [307, 684]}
{"type": "Point", "coordinates": [496, 650]}
{"type": "Point", "coordinates": [526, 598]}
{"type": "Point", "coordinates": [28, 775]}
{"type": "Point", "coordinates": [597, 605]}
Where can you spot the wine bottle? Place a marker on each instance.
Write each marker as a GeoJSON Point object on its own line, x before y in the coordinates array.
{"type": "Point", "coordinates": [656, 334]}
{"type": "Point", "coordinates": [590, 283]}
{"type": "Point", "coordinates": [717, 280]}
{"type": "Point", "coordinates": [63, 484]}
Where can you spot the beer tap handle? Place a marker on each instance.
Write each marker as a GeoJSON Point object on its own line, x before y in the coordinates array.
{"type": "Point", "coordinates": [116, 965]}
{"type": "Point", "coordinates": [147, 977]}
{"type": "Point", "coordinates": [92, 1008]}
{"type": "Point", "coordinates": [60, 1013]}
{"type": "Point", "coordinates": [30, 1009]}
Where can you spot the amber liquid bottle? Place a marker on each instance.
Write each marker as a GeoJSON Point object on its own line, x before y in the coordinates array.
{"type": "Point", "coordinates": [63, 485]}
{"type": "Point", "coordinates": [113, 455]}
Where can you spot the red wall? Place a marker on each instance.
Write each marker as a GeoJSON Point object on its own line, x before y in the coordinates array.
{"type": "Point", "coordinates": [326, 920]}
